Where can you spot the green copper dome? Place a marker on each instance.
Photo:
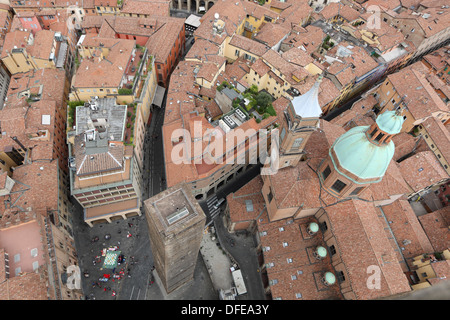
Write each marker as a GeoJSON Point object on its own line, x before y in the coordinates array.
{"type": "Point", "coordinates": [321, 251]}
{"type": "Point", "coordinates": [330, 278]}
{"type": "Point", "coordinates": [390, 122]}
{"type": "Point", "coordinates": [361, 157]}
{"type": "Point", "coordinates": [314, 227]}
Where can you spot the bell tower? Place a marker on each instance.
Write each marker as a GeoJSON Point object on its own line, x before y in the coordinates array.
{"type": "Point", "coordinates": [301, 120]}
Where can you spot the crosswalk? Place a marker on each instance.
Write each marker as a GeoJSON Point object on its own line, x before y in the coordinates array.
{"type": "Point", "coordinates": [213, 212]}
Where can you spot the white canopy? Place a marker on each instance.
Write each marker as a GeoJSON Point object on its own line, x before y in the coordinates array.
{"type": "Point", "coordinates": [307, 105]}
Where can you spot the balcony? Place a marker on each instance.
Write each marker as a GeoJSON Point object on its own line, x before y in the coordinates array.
{"type": "Point", "coordinates": [136, 69]}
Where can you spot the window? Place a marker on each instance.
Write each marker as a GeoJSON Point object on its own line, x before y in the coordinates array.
{"type": "Point", "coordinates": [236, 53]}
{"type": "Point", "coordinates": [34, 252]}
{"type": "Point", "coordinates": [356, 191]}
{"type": "Point", "coordinates": [338, 186]}
{"type": "Point", "coordinates": [285, 244]}
{"type": "Point", "coordinates": [332, 250]}
{"type": "Point", "coordinates": [341, 276]}
{"type": "Point", "coordinates": [289, 260]}
{"type": "Point", "coordinates": [17, 257]}
{"type": "Point", "coordinates": [379, 137]}
{"type": "Point", "coordinates": [326, 172]}
{"type": "Point", "coordinates": [249, 205]}
{"type": "Point", "coordinates": [298, 295]}
{"type": "Point", "coordinates": [281, 229]}
{"type": "Point", "coordinates": [35, 265]}
{"type": "Point", "coordinates": [293, 277]}
{"type": "Point", "coordinates": [297, 143]}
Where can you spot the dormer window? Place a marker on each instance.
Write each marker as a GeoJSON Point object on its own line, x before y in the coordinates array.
{"type": "Point", "coordinates": [338, 186]}
{"type": "Point", "coordinates": [326, 172]}
{"type": "Point", "coordinates": [356, 191]}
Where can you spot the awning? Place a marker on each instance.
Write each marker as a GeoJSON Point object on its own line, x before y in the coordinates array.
{"type": "Point", "coordinates": [159, 96]}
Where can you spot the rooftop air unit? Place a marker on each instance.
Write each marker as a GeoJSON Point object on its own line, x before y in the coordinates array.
{"type": "Point", "coordinates": [240, 114]}
{"type": "Point", "coordinates": [229, 121]}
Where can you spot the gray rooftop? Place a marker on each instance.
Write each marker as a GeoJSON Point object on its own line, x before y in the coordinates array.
{"type": "Point", "coordinates": [105, 116]}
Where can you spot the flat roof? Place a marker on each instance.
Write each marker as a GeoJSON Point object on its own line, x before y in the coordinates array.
{"type": "Point", "coordinates": [174, 208]}
{"type": "Point", "coordinates": [193, 20]}
{"type": "Point", "coordinates": [104, 114]}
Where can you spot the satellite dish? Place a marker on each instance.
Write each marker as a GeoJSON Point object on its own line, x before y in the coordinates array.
{"type": "Point", "coordinates": [216, 16]}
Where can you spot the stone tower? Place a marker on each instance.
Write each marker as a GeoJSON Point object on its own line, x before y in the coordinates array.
{"type": "Point", "coordinates": [176, 223]}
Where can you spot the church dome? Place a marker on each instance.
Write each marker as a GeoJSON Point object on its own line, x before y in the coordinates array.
{"type": "Point", "coordinates": [390, 122]}
{"type": "Point", "coordinates": [358, 155]}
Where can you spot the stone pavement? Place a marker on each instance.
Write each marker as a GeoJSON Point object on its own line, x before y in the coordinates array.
{"type": "Point", "coordinates": [212, 271]}
{"type": "Point", "coordinates": [217, 262]}
{"type": "Point", "coordinates": [221, 250]}
{"type": "Point", "coordinates": [241, 247]}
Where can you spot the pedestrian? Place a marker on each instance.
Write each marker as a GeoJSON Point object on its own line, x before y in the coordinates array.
{"type": "Point", "coordinates": [113, 293]}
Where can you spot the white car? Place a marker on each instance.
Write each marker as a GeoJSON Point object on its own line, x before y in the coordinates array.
{"type": "Point", "coordinates": [217, 205]}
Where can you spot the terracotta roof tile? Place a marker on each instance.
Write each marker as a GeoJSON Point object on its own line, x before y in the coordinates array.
{"type": "Point", "coordinates": [106, 72]}
{"type": "Point", "coordinates": [436, 225]}
{"type": "Point", "coordinates": [422, 170]}
{"type": "Point", "coordinates": [356, 222]}
{"type": "Point", "coordinates": [421, 99]}
{"type": "Point", "coordinates": [248, 45]}
{"type": "Point", "coordinates": [146, 7]}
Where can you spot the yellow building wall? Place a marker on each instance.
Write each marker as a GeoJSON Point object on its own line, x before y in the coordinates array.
{"type": "Point", "coordinates": [85, 94]}
{"type": "Point", "coordinates": [107, 10]}
{"type": "Point", "coordinates": [313, 69]}
{"type": "Point", "coordinates": [17, 63]}
{"type": "Point", "coordinates": [388, 99]}
{"type": "Point", "coordinates": [149, 95]}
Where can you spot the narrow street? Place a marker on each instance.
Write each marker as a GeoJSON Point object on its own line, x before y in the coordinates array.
{"type": "Point", "coordinates": [154, 170]}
